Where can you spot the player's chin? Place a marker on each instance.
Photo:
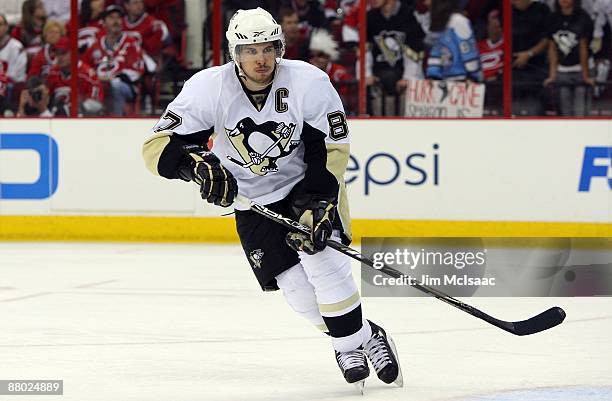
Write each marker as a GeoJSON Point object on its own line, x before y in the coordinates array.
{"type": "Point", "coordinates": [263, 77]}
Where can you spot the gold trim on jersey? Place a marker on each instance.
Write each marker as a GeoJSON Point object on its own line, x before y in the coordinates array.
{"type": "Point", "coordinates": [337, 160]}
{"type": "Point", "coordinates": [339, 306]}
{"type": "Point", "coordinates": [153, 148]}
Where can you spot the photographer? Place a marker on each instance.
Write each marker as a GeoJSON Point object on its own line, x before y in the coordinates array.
{"type": "Point", "coordinates": [34, 101]}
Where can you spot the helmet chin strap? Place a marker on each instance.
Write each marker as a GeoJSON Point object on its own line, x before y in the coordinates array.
{"type": "Point", "coordinates": [241, 73]}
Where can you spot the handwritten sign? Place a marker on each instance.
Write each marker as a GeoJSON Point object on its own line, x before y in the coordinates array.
{"type": "Point", "coordinates": [426, 98]}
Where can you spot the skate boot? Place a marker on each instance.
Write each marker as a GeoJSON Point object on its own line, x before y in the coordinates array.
{"type": "Point", "coordinates": [354, 367]}
{"type": "Point", "coordinates": [381, 352]}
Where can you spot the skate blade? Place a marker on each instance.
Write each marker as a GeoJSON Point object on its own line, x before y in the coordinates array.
{"type": "Point", "coordinates": [360, 386]}
{"type": "Point", "coordinates": [399, 382]}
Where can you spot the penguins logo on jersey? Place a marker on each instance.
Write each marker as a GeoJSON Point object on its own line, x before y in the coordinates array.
{"type": "Point", "coordinates": [566, 41]}
{"type": "Point", "coordinates": [391, 45]}
{"type": "Point", "coordinates": [261, 145]}
{"type": "Point", "coordinates": [256, 258]}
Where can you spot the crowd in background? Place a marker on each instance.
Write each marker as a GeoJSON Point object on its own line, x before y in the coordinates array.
{"type": "Point", "coordinates": [124, 48]}
{"type": "Point", "coordinates": [130, 51]}
{"type": "Point", "coordinates": [560, 49]}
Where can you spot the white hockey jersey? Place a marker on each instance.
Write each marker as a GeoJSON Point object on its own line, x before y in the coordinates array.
{"type": "Point", "coordinates": [13, 60]}
{"type": "Point", "coordinates": [263, 149]}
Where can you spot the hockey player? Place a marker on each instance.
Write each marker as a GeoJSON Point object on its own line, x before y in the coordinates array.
{"type": "Point", "coordinates": [280, 139]}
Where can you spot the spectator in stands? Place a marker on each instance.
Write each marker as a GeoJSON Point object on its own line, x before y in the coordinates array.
{"type": "Point", "coordinates": [12, 11]}
{"type": "Point", "coordinates": [491, 49]}
{"type": "Point", "coordinates": [602, 14]}
{"type": "Point", "coordinates": [271, 6]}
{"type": "Point", "coordinates": [587, 5]}
{"type": "Point", "coordinates": [601, 45]}
{"type": "Point", "coordinates": [91, 93]}
{"type": "Point", "coordinates": [455, 55]}
{"type": "Point", "coordinates": [4, 101]}
{"type": "Point", "coordinates": [91, 26]}
{"type": "Point", "coordinates": [58, 10]}
{"type": "Point", "coordinates": [323, 53]}
{"type": "Point", "coordinates": [310, 12]}
{"type": "Point", "coordinates": [395, 52]}
{"type": "Point", "coordinates": [350, 21]}
{"type": "Point", "coordinates": [13, 62]}
{"type": "Point", "coordinates": [529, 42]}
{"type": "Point", "coordinates": [152, 33]}
{"type": "Point", "coordinates": [296, 38]}
{"type": "Point", "coordinates": [34, 100]}
{"type": "Point", "coordinates": [172, 13]}
{"type": "Point", "coordinates": [477, 11]}
{"type": "Point", "coordinates": [118, 60]}
{"type": "Point", "coordinates": [44, 59]}
{"type": "Point", "coordinates": [334, 12]}
{"type": "Point", "coordinates": [153, 36]}
{"type": "Point", "coordinates": [4, 79]}
{"type": "Point", "coordinates": [570, 32]}
{"type": "Point", "coordinates": [423, 16]}
{"type": "Point", "coordinates": [29, 30]}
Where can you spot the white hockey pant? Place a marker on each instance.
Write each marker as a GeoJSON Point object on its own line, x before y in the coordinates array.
{"type": "Point", "coordinates": [321, 289]}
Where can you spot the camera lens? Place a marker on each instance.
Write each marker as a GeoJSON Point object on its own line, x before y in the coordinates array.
{"type": "Point", "coordinates": [36, 95]}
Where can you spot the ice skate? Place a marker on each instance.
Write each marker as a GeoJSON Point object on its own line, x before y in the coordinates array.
{"type": "Point", "coordinates": [382, 353]}
{"type": "Point", "coordinates": [354, 367]}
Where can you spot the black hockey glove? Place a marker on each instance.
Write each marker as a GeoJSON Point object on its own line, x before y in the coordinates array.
{"type": "Point", "coordinates": [317, 213]}
{"type": "Point", "coordinates": [217, 185]}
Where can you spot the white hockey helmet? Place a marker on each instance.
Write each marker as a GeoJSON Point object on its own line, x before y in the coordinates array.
{"type": "Point", "coordinates": [254, 26]}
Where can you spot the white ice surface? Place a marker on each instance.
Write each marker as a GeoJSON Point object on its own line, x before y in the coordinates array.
{"type": "Point", "coordinates": [188, 322]}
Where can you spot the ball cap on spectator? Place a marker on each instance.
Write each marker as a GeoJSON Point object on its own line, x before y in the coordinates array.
{"type": "Point", "coordinates": [113, 8]}
{"type": "Point", "coordinates": [62, 45]}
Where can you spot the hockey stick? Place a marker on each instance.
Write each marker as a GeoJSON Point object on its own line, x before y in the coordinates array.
{"type": "Point", "coordinates": [543, 321]}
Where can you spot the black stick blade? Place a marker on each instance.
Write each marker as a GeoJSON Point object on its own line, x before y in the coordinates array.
{"type": "Point", "coordinates": [544, 321]}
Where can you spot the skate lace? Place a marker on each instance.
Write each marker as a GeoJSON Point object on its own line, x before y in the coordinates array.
{"type": "Point", "coordinates": [377, 352]}
{"type": "Point", "coordinates": [350, 359]}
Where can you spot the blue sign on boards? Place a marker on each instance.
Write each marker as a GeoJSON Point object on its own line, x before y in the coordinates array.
{"type": "Point", "coordinates": [591, 169]}
{"type": "Point", "coordinates": [46, 184]}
